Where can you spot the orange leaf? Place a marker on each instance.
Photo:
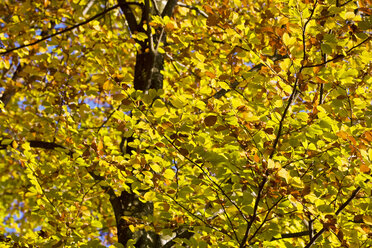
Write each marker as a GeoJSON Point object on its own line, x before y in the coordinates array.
{"type": "Point", "coordinates": [319, 80]}
{"type": "Point", "coordinates": [368, 135]}
{"type": "Point", "coordinates": [342, 135]}
{"type": "Point", "coordinates": [256, 158]}
{"type": "Point", "coordinates": [210, 74]}
{"type": "Point", "coordinates": [364, 168]}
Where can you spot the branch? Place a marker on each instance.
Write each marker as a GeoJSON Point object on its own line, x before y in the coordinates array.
{"type": "Point", "coordinates": [196, 164]}
{"type": "Point", "coordinates": [156, 8]}
{"type": "Point", "coordinates": [339, 56]}
{"type": "Point", "coordinates": [146, 16]}
{"type": "Point", "coordinates": [11, 90]}
{"type": "Point", "coordinates": [168, 9]}
{"type": "Point", "coordinates": [197, 217]}
{"type": "Point", "coordinates": [294, 91]}
{"type": "Point", "coordinates": [45, 145]}
{"type": "Point", "coordinates": [193, 8]}
{"type": "Point", "coordinates": [265, 219]}
{"type": "Point", "coordinates": [254, 215]}
{"type": "Point", "coordinates": [341, 5]}
{"type": "Point", "coordinates": [339, 210]}
{"type": "Point", "coordinates": [183, 235]}
{"type": "Point", "coordinates": [292, 235]}
{"type": "Point", "coordinates": [39, 144]}
{"type": "Point", "coordinates": [304, 30]}
{"type": "Point", "coordinates": [228, 217]}
{"type": "Point", "coordinates": [257, 67]}
{"type": "Point", "coordinates": [60, 32]}
{"type": "Point", "coordinates": [131, 19]}
{"type": "Point", "coordinates": [108, 118]}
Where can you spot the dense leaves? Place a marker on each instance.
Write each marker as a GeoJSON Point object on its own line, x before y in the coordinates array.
{"type": "Point", "coordinates": [199, 123]}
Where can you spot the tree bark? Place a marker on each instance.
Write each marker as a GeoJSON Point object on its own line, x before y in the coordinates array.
{"type": "Point", "coordinates": [147, 75]}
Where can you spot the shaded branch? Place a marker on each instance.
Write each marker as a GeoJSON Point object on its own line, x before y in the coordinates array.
{"type": "Point", "coordinates": [339, 210]}
{"type": "Point", "coordinates": [60, 32]}
{"type": "Point", "coordinates": [183, 235]}
{"type": "Point", "coordinates": [193, 8]}
{"type": "Point", "coordinates": [292, 235]}
{"type": "Point", "coordinates": [294, 91]}
{"type": "Point", "coordinates": [168, 9]}
{"type": "Point", "coordinates": [278, 135]}
{"type": "Point", "coordinates": [265, 219]}
{"type": "Point", "coordinates": [45, 145]}
{"type": "Point", "coordinates": [304, 30]}
{"type": "Point", "coordinates": [108, 118]}
{"type": "Point", "coordinates": [39, 144]}
{"type": "Point", "coordinates": [339, 56]}
{"type": "Point", "coordinates": [128, 13]}
{"type": "Point", "coordinates": [11, 89]}
{"type": "Point", "coordinates": [254, 215]}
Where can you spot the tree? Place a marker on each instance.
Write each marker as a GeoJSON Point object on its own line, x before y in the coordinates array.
{"type": "Point", "coordinates": [163, 123]}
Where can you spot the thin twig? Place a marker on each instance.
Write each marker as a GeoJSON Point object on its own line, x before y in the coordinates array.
{"type": "Point", "coordinates": [196, 164]}
{"type": "Point", "coordinates": [228, 218]}
{"type": "Point", "coordinates": [254, 215]}
{"type": "Point", "coordinates": [193, 8]}
{"type": "Point", "coordinates": [60, 32]}
{"type": "Point", "coordinates": [265, 219]}
{"type": "Point", "coordinates": [339, 56]}
{"type": "Point", "coordinates": [294, 91]}
{"type": "Point", "coordinates": [108, 118]}
{"type": "Point", "coordinates": [339, 210]}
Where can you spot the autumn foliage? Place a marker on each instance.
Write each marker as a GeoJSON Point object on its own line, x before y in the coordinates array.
{"type": "Point", "coordinates": [204, 123]}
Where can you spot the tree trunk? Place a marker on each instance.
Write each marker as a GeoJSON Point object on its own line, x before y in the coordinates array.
{"type": "Point", "coordinates": [147, 75]}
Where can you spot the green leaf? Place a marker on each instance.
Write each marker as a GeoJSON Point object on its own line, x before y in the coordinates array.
{"type": "Point", "coordinates": [327, 49]}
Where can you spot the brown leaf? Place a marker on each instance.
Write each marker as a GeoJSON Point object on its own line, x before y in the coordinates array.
{"type": "Point", "coordinates": [126, 102]}
{"type": "Point", "coordinates": [212, 20]}
{"type": "Point", "coordinates": [210, 120]}
{"type": "Point", "coordinates": [184, 152]}
{"type": "Point", "coordinates": [220, 128]}
{"type": "Point", "coordinates": [269, 130]}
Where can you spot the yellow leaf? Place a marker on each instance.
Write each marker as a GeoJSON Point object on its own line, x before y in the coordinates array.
{"type": "Point", "coordinates": [155, 167]}
{"type": "Point", "coordinates": [284, 174]}
{"type": "Point", "coordinates": [99, 78]}
{"type": "Point", "coordinates": [367, 219]}
{"type": "Point", "coordinates": [118, 97]}
{"type": "Point", "coordinates": [149, 196]}
{"type": "Point", "coordinates": [200, 56]}
{"type": "Point", "coordinates": [14, 144]}
{"type": "Point", "coordinates": [108, 85]}
{"type": "Point", "coordinates": [271, 164]}
{"type": "Point", "coordinates": [169, 174]}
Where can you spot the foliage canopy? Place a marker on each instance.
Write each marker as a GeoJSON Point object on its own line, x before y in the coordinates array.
{"type": "Point", "coordinates": [205, 123]}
